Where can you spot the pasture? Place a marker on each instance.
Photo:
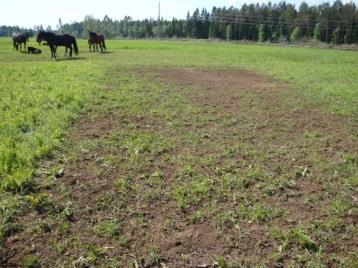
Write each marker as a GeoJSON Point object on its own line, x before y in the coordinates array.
{"type": "Point", "coordinates": [179, 154]}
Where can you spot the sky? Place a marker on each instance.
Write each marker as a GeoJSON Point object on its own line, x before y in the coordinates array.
{"type": "Point", "coordinates": [28, 13]}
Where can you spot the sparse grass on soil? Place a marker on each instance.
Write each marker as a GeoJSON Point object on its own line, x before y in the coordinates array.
{"type": "Point", "coordinates": [184, 154]}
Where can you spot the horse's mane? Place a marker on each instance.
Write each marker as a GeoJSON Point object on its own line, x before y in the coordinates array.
{"type": "Point", "coordinates": [47, 33]}
{"type": "Point", "coordinates": [17, 35]}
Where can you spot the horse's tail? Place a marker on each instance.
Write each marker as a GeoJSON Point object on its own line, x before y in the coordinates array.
{"type": "Point", "coordinates": [75, 47]}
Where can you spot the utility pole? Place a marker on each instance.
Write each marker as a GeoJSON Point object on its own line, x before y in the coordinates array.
{"type": "Point", "coordinates": [159, 21]}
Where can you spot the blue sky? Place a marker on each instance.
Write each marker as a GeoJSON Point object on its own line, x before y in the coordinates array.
{"type": "Point", "coordinates": [27, 13]}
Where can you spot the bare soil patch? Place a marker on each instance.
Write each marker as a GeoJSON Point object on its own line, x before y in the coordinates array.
{"type": "Point", "coordinates": [256, 97]}
{"type": "Point", "coordinates": [293, 135]}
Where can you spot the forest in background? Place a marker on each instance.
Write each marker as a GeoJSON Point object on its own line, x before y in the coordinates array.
{"type": "Point", "coordinates": [335, 23]}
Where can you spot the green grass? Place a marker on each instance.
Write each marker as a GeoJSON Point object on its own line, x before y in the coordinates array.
{"type": "Point", "coordinates": [191, 193]}
{"type": "Point", "coordinates": [327, 77]}
{"type": "Point", "coordinates": [41, 98]}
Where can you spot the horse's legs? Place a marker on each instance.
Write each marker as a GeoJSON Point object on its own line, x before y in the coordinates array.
{"type": "Point", "coordinates": [100, 45]}
{"type": "Point", "coordinates": [66, 52]}
{"type": "Point", "coordinates": [53, 51]}
{"type": "Point", "coordinates": [52, 54]}
{"type": "Point", "coordinates": [25, 46]}
{"type": "Point", "coordinates": [70, 51]}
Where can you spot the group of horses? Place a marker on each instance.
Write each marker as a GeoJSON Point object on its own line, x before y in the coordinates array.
{"type": "Point", "coordinates": [57, 40]}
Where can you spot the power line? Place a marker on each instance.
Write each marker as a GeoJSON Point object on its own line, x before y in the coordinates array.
{"type": "Point", "coordinates": [353, 28]}
{"type": "Point", "coordinates": [273, 22]}
{"type": "Point", "coordinates": [257, 17]}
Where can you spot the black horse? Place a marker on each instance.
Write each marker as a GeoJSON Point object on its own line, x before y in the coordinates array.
{"type": "Point", "coordinates": [19, 39]}
{"type": "Point", "coordinates": [33, 50]}
{"type": "Point", "coordinates": [55, 40]}
{"type": "Point", "coordinates": [94, 40]}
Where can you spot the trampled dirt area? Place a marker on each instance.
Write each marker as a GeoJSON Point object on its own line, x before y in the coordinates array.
{"type": "Point", "coordinates": [252, 96]}
{"type": "Point", "coordinates": [217, 167]}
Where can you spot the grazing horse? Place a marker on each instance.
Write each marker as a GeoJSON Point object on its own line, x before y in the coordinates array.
{"type": "Point", "coordinates": [94, 40]}
{"type": "Point", "coordinates": [18, 39]}
{"type": "Point", "coordinates": [55, 40]}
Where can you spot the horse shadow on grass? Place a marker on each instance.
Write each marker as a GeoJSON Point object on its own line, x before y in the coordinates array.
{"type": "Point", "coordinates": [68, 59]}
{"type": "Point", "coordinates": [104, 52]}
{"type": "Point", "coordinates": [25, 52]}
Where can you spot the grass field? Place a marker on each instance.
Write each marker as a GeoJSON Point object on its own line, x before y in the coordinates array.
{"type": "Point", "coordinates": [185, 154]}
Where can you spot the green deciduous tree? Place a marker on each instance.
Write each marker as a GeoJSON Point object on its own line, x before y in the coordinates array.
{"type": "Point", "coordinates": [295, 35]}
{"type": "Point", "coordinates": [317, 32]}
{"type": "Point", "coordinates": [262, 33]}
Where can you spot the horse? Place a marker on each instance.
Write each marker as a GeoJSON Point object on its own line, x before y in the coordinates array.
{"type": "Point", "coordinates": [33, 50]}
{"type": "Point", "coordinates": [18, 39]}
{"type": "Point", "coordinates": [94, 40]}
{"type": "Point", "coordinates": [55, 40]}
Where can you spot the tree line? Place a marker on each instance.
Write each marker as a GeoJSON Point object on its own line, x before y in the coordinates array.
{"type": "Point", "coordinates": [335, 23]}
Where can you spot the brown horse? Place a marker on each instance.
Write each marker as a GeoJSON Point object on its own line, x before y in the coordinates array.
{"type": "Point", "coordinates": [18, 39]}
{"type": "Point", "coordinates": [94, 40]}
